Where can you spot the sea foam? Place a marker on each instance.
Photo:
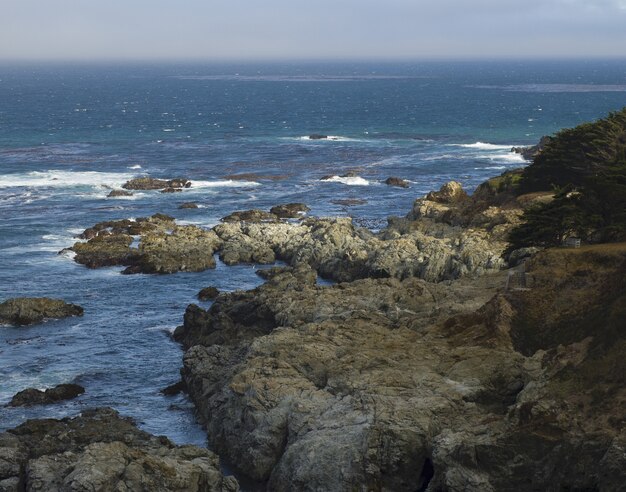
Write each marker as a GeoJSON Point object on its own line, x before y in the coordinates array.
{"type": "Point", "coordinates": [63, 179]}
{"type": "Point", "coordinates": [348, 180]}
{"type": "Point", "coordinates": [483, 146]}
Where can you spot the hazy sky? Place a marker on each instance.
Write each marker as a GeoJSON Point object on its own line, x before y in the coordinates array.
{"type": "Point", "coordinates": [320, 29]}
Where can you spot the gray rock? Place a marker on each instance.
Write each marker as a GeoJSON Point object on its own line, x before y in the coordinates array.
{"type": "Point", "coordinates": [33, 396]}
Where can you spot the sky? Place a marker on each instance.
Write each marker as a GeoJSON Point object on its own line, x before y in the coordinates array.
{"type": "Point", "coordinates": [320, 29]}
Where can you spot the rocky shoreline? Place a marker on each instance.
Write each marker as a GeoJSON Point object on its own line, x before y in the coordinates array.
{"type": "Point", "coordinates": [416, 370]}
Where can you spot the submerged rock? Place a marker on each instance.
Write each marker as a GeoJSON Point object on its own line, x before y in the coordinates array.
{"type": "Point", "coordinates": [29, 310]}
{"type": "Point", "coordinates": [33, 396]}
{"type": "Point", "coordinates": [317, 136]}
{"type": "Point", "coordinates": [188, 205]}
{"type": "Point", "coordinates": [99, 450]}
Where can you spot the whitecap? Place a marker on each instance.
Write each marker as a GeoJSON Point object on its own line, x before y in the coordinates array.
{"type": "Point", "coordinates": [348, 180]}
{"type": "Point", "coordinates": [136, 166]}
{"type": "Point", "coordinates": [63, 179]}
{"type": "Point", "coordinates": [224, 183]}
{"type": "Point", "coordinates": [332, 138]}
{"type": "Point", "coordinates": [483, 146]}
{"type": "Point", "coordinates": [508, 157]}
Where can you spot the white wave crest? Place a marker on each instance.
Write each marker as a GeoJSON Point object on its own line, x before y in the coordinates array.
{"type": "Point", "coordinates": [348, 180]}
{"type": "Point", "coordinates": [224, 183]}
{"type": "Point", "coordinates": [63, 179]}
{"type": "Point", "coordinates": [136, 166]}
{"type": "Point", "coordinates": [483, 146]}
{"type": "Point", "coordinates": [508, 157]}
{"type": "Point", "coordinates": [334, 138]}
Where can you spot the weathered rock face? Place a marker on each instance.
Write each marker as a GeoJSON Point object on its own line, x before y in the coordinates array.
{"type": "Point", "coordinates": [383, 384]}
{"type": "Point", "coordinates": [102, 451]}
{"type": "Point", "coordinates": [290, 210]}
{"type": "Point", "coordinates": [29, 310]}
{"type": "Point", "coordinates": [33, 396]}
{"type": "Point", "coordinates": [164, 247]}
{"type": "Point", "coordinates": [155, 184]}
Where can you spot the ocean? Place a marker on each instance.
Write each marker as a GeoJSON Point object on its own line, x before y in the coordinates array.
{"type": "Point", "coordinates": [71, 133]}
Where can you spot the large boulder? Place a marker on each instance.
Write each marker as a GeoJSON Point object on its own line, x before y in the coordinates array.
{"type": "Point", "coordinates": [101, 451]}
{"type": "Point", "coordinates": [33, 396]}
{"type": "Point", "coordinates": [29, 310]}
{"type": "Point", "coordinates": [399, 182]}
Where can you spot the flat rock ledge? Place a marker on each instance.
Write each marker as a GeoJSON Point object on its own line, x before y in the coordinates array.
{"type": "Point", "coordinates": [101, 451]}
{"type": "Point", "coordinates": [31, 310]}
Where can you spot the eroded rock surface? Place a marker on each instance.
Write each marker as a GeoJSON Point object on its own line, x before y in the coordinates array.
{"type": "Point", "coordinates": [164, 246]}
{"type": "Point", "coordinates": [388, 384]}
{"type": "Point", "coordinates": [101, 451]}
{"type": "Point", "coordinates": [30, 310]}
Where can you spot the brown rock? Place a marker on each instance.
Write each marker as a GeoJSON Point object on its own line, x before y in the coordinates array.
{"type": "Point", "coordinates": [119, 193]}
{"type": "Point", "coordinates": [208, 294]}
{"type": "Point", "coordinates": [290, 210]}
{"type": "Point", "coordinates": [392, 181]}
{"type": "Point", "coordinates": [32, 396]}
{"type": "Point", "coordinates": [29, 310]}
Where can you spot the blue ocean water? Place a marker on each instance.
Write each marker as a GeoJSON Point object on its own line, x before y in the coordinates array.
{"type": "Point", "coordinates": [68, 134]}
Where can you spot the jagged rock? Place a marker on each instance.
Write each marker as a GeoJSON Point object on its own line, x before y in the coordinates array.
{"type": "Point", "coordinates": [208, 294]}
{"type": "Point", "coordinates": [155, 184]}
{"type": "Point", "coordinates": [250, 216]}
{"type": "Point", "coordinates": [118, 193]}
{"type": "Point", "coordinates": [188, 205]}
{"type": "Point", "coordinates": [451, 192]}
{"type": "Point", "coordinates": [290, 210]}
{"type": "Point", "coordinates": [393, 181]}
{"type": "Point", "coordinates": [382, 384]}
{"type": "Point", "coordinates": [33, 396]}
{"type": "Point", "coordinates": [529, 153]}
{"type": "Point", "coordinates": [29, 310]}
{"type": "Point", "coordinates": [100, 450]}
{"type": "Point", "coordinates": [164, 247]}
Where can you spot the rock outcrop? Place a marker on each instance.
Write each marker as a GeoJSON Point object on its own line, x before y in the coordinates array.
{"type": "Point", "coordinates": [399, 182]}
{"type": "Point", "coordinates": [388, 384]}
{"type": "Point", "coordinates": [290, 210]}
{"type": "Point", "coordinates": [30, 310]}
{"type": "Point", "coordinates": [102, 451]}
{"type": "Point", "coordinates": [529, 153]}
{"type": "Point", "coordinates": [147, 183]}
{"type": "Point", "coordinates": [208, 294]}
{"type": "Point", "coordinates": [164, 246]}
{"type": "Point", "coordinates": [119, 193]}
{"type": "Point", "coordinates": [33, 396]}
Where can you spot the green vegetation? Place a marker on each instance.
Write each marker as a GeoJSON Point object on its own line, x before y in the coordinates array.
{"type": "Point", "coordinates": [586, 168]}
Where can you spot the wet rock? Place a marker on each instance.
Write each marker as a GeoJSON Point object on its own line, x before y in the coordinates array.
{"type": "Point", "coordinates": [105, 250]}
{"type": "Point", "coordinates": [290, 210]}
{"type": "Point", "coordinates": [317, 136]}
{"type": "Point", "coordinates": [188, 205]}
{"type": "Point", "coordinates": [253, 215]}
{"type": "Point", "coordinates": [393, 181]}
{"type": "Point", "coordinates": [100, 450]}
{"type": "Point", "coordinates": [147, 183]}
{"type": "Point", "coordinates": [174, 389]}
{"type": "Point", "coordinates": [208, 294]}
{"type": "Point", "coordinates": [33, 396]}
{"type": "Point", "coordinates": [171, 190]}
{"type": "Point", "coordinates": [119, 193]}
{"type": "Point", "coordinates": [29, 310]}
